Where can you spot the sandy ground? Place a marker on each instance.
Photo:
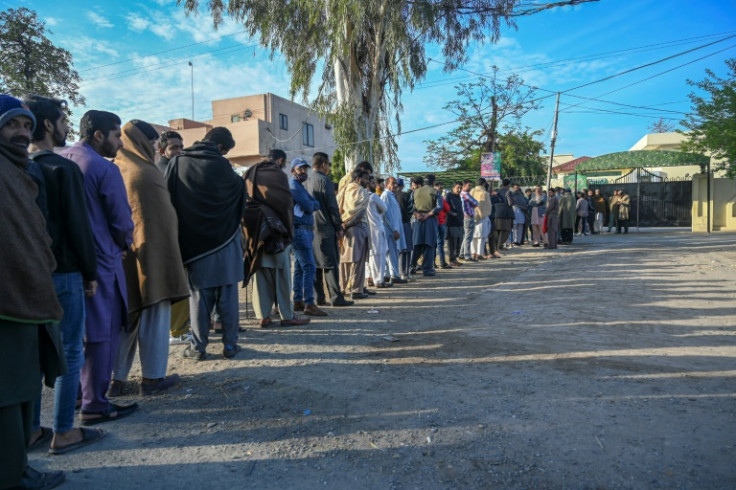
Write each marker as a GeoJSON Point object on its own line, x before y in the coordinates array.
{"type": "Point", "coordinates": [605, 364]}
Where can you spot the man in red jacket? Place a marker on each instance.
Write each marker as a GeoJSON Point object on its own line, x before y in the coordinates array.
{"type": "Point", "coordinates": [442, 228]}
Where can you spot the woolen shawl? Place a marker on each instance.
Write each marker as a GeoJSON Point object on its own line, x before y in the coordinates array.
{"type": "Point", "coordinates": [269, 212]}
{"type": "Point", "coordinates": [27, 292]}
{"type": "Point", "coordinates": [153, 271]}
{"type": "Point", "coordinates": [208, 196]}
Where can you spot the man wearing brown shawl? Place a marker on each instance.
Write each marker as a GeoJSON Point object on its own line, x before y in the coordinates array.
{"type": "Point", "coordinates": [624, 206]}
{"type": "Point", "coordinates": [153, 268]}
{"type": "Point", "coordinates": [353, 200]}
{"type": "Point", "coordinates": [28, 300]}
{"type": "Point", "coordinates": [268, 227]}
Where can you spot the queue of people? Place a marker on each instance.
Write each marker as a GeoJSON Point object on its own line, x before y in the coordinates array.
{"type": "Point", "coordinates": [125, 240]}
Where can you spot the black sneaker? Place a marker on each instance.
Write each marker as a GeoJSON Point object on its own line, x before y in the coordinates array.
{"type": "Point", "coordinates": [36, 479]}
{"type": "Point", "coordinates": [230, 351]}
{"type": "Point", "coordinates": [191, 353]}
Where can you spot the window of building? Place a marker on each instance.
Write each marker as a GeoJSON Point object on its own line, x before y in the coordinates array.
{"type": "Point", "coordinates": [236, 118]}
{"type": "Point", "coordinates": [284, 122]}
{"type": "Point", "coordinates": [308, 135]}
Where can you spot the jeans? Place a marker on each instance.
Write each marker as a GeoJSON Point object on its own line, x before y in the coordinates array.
{"type": "Point", "coordinates": [441, 234]}
{"type": "Point", "coordinates": [469, 227]}
{"type": "Point", "coordinates": [304, 266]}
{"type": "Point", "coordinates": [70, 292]}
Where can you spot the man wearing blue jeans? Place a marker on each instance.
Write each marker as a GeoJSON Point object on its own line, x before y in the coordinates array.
{"type": "Point", "coordinates": [304, 264]}
{"type": "Point", "coordinates": [76, 271]}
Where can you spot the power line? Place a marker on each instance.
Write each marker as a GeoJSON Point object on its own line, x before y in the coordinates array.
{"type": "Point", "coordinates": [159, 52]}
{"type": "Point", "coordinates": [647, 65]}
{"type": "Point", "coordinates": [623, 105]}
{"type": "Point", "coordinates": [660, 73]}
{"type": "Point", "coordinates": [166, 64]}
{"type": "Point", "coordinates": [566, 61]}
{"type": "Point", "coordinates": [594, 110]}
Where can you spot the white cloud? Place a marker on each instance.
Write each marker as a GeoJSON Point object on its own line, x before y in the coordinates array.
{"type": "Point", "coordinates": [137, 23]}
{"type": "Point", "coordinates": [51, 21]}
{"type": "Point", "coordinates": [98, 20]}
{"type": "Point", "coordinates": [88, 51]}
{"type": "Point", "coordinates": [159, 92]}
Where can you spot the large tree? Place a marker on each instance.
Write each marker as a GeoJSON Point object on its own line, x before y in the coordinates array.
{"type": "Point", "coordinates": [521, 154]}
{"type": "Point", "coordinates": [366, 52]}
{"type": "Point", "coordinates": [30, 63]}
{"type": "Point", "coordinates": [481, 109]}
{"type": "Point", "coordinates": [712, 125]}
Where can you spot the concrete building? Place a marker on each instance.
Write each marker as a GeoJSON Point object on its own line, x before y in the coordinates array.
{"type": "Point", "coordinates": [260, 123]}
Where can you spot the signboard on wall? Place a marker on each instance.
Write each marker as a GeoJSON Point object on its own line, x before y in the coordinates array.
{"type": "Point", "coordinates": [490, 165]}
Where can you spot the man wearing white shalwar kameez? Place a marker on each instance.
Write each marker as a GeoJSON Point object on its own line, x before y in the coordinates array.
{"type": "Point", "coordinates": [394, 231]}
{"type": "Point", "coordinates": [376, 267]}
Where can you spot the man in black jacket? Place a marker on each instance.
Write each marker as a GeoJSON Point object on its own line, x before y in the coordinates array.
{"type": "Point", "coordinates": [454, 223]}
{"type": "Point", "coordinates": [76, 267]}
{"type": "Point", "coordinates": [327, 231]}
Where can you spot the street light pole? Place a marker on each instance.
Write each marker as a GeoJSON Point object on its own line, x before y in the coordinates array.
{"type": "Point", "coordinates": [191, 65]}
{"type": "Point", "coordinates": [552, 144]}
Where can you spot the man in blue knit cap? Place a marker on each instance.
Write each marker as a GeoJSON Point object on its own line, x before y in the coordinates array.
{"type": "Point", "coordinates": [28, 303]}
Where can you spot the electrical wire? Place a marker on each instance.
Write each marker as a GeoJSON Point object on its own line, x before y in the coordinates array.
{"type": "Point", "coordinates": [660, 73]}
{"type": "Point", "coordinates": [647, 65]}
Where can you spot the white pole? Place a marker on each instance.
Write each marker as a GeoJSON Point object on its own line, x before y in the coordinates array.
{"type": "Point", "coordinates": [552, 142]}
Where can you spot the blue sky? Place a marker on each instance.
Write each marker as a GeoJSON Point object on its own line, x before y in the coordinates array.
{"type": "Point", "coordinates": [133, 58]}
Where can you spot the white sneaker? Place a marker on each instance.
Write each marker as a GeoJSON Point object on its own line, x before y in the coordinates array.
{"type": "Point", "coordinates": [181, 340]}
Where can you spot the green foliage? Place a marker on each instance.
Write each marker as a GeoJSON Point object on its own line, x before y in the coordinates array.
{"type": "Point", "coordinates": [365, 53]}
{"type": "Point", "coordinates": [337, 171]}
{"type": "Point", "coordinates": [521, 153]}
{"type": "Point", "coordinates": [30, 63]}
{"type": "Point", "coordinates": [481, 109]}
{"type": "Point", "coordinates": [712, 126]}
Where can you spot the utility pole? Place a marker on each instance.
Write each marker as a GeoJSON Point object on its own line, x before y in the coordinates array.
{"type": "Point", "coordinates": [552, 143]}
{"type": "Point", "coordinates": [191, 65]}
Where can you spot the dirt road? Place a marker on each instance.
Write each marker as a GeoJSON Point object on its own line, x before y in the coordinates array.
{"type": "Point", "coordinates": [606, 364]}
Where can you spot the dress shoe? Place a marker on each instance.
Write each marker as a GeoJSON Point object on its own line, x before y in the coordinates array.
{"type": "Point", "coordinates": [155, 386]}
{"type": "Point", "coordinates": [343, 302]}
{"type": "Point", "coordinates": [322, 302]}
{"type": "Point", "coordinates": [312, 310]}
{"type": "Point", "coordinates": [384, 285]}
{"type": "Point", "coordinates": [36, 479]}
{"type": "Point", "coordinates": [370, 282]}
{"type": "Point", "coordinates": [369, 292]}
{"type": "Point", "coordinates": [266, 323]}
{"type": "Point", "coordinates": [117, 388]}
{"type": "Point", "coordinates": [230, 351]}
{"type": "Point", "coordinates": [295, 321]}
{"type": "Point", "coordinates": [398, 280]}
{"type": "Point", "coordinates": [359, 296]}
{"type": "Point", "coordinates": [299, 305]}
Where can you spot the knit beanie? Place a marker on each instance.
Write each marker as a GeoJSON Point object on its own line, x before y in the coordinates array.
{"type": "Point", "coordinates": [11, 107]}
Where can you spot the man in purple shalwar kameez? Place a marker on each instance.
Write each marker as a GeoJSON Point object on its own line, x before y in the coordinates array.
{"type": "Point", "coordinates": [112, 227]}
